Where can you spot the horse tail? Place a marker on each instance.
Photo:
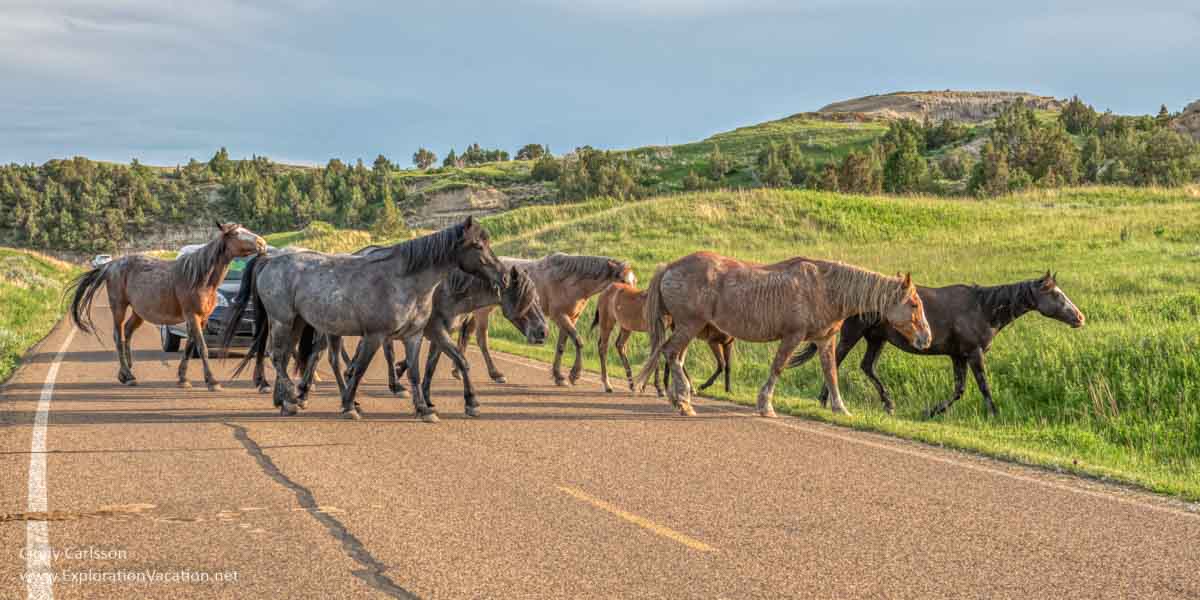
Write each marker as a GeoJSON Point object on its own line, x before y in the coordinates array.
{"type": "Point", "coordinates": [596, 317]}
{"type": "Point", "coordinates": [655, 315]}
{"type": "Point", "coordinates": [308, 337]}
{"type": "Point", "coordinates": [802, 356]}
{"type": "Point", "coordinates": [84, 292]}
{"type": "Point", "coordinates": [262, 324]}
{"type": "Point", "coordinates": [464, 330]}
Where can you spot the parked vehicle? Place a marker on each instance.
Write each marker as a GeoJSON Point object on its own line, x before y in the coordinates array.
{"type": "Point", "coordinates": [173, 336]}
{"type": "Point", "coordinates": [101, 259]}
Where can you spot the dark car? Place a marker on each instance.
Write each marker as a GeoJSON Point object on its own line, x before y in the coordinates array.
{"type": "Point", "coordinates": [174, 335]}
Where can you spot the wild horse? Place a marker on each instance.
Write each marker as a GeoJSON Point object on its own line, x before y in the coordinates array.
{"type": "Point", "coordinates": [564, 284]}
{"type": "Point", "coordinates": [456, 298]}
{"type": "Point", "coordinates": [791, 301]}
{"type": "Point", "coordinates": [622, 305]}
{"type": "Point", "coordinates": [164, 293]}
{"type": "Point", "coordinates": [387, 294]}
{"type": "Point", "coordinates": [965, 320]}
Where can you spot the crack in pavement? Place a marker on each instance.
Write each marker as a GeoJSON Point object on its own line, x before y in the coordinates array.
{"type": "Point", "coordinates": [373, 571]}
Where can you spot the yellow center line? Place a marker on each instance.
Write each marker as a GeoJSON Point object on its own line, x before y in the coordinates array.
{"type": "Point", "coordinates": [640, 521]}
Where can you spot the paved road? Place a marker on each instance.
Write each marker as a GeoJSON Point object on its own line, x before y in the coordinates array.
{"type": "Point", "coordinates": [552, 493]}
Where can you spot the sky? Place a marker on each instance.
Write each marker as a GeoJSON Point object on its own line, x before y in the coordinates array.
{"type": "Point", "coordinates": [305, 80]}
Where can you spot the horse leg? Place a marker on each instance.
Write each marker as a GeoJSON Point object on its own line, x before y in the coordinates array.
{"type": "Point", "coordinates": [481, 338]}
{"type": "Point", "coordinates": [680, 393]}
{"type": "Point", "coordinates": [366, 351]}
{"type": "Point", "coordinates": [728, 348]}
{"type": "Point", "coordinates": [281, 351]}
{"type": "Point", "coordinates": [335, 357]}
{"type": "Point", "coordinates": [412, 351]}
{"type": "Point", "coordinates": [869, 360]}
{"type": "Point", "coordinates": [464, 337]}
{"type": "Point", "coordinates": [960, 383]}
{"type": "Point", "coordinates": [196, 331]}
{"type": "Point", "coordinates": [786, 347]}
{"type": "Point", "coordinates": [829, 365]}
{"type": "Point", "coordinates": [188, 348]}
{"type": "Point", "coordinates": [389, 353]}
{"type": "Point", "coordinates": [125, 370]}
{"type": "Point", "coordinates": [602, 350]}
{"type": "Point", "coordinates": [977, 369]}
{"type": "Point", "coordinates": [556, 367]}
{"type": "Point", "coordinates": [622, 339]}
{"type": "Point", "coordinates": [470, 401]}
{"type": "Point", "coordinates": [260, 377]}
{"type": "Point", "coordinates": [850, 335]}
{"type": "Point", "coordinates": [320, 342]}
{"type": "Point", "coordinates": [720, 360]}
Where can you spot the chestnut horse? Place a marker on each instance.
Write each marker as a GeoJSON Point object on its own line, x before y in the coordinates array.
{"type": "Point", "coordinates": [622, 305]}
{"type": "Point", "coordinates": [164, 292]}
{"type": "Point", "coordinates": [791, 301]}
{"type": "Point", "coordinates": [564, 284]}
{"type": "Point", "coordinates": [966, 319]}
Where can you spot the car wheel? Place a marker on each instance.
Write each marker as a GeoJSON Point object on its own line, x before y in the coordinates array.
{"type": "Point", "coordinates": [170, 341]}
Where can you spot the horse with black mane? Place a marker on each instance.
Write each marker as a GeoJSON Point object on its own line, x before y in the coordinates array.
{"type": "Point", "coordinates": [387, 294]}
{"type": "Point", "coordinates": [965, 320]}
{"type": "Point", "coordinates": [164, 292]}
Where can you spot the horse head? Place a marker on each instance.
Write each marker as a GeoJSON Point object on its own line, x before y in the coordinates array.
{"type": "Point", "coordinates": [622, 272]}
{"type": "Point", "coordinates": [240, 241]}
{"type": "Point", "coordinates": [1053, 303]}
{"type": "Point", "coordinates": [519, 302]}
{"type": "Point", "coordinates": [474, 254]}
{"type": "Point", "coordinates": [907, 315]}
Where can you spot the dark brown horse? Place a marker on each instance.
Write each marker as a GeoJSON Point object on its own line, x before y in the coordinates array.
{"type": "Point", "coordinates": [564, 284]}
{"type": "Point", "coordinates": [792, 301]}
{"type": "Point", "coordinates": [965, 320]}
{"type": "Point", "coordinates": [164, 293]}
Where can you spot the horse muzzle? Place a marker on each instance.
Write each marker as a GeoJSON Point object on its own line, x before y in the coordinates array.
{"type": "Point", "coordinates": [923, 340]}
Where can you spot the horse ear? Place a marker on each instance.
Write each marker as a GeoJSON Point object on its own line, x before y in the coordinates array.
{"type": "Point", "coordinates": [513, 274]}
{"type": "Point", "coordinates": [1047, 281]}
{"type": "Point", "coordinates": [219, 225]}
{"type": "Point", "coordinates": [908, 284]}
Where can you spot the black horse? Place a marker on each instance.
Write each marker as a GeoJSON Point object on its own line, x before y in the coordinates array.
{"type": "Point", "coordinates": [964, 320]}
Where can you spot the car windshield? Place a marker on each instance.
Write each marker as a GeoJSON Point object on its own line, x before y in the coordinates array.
{"type": "Point", "coordinates": [235, 269]}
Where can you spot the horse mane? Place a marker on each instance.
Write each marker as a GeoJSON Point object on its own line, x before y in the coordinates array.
{"type": "Point", "coordinates": [199, 268]}
{"type": "Point", "coordinates": [586, 267]}
{"type": "Point", "coordinates": [423, 252]}
{"type": "Point", "coordinates": [1010, 297]}
{"type": "Point", "coordinates": [855, 287]}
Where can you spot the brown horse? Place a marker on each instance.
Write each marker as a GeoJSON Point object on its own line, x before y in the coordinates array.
{"type": "Point", "coordinates": [791, 301]}
{"type": "Point", "coordinates": [164, 292]}
{"type": "Point", "coordinates": [564, 284]}
{"type": "Point", "coordinates": [622, 305]}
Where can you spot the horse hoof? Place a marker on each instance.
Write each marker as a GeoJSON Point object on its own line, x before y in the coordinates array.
{"type": "Point", "coordinates": [288, 409]}
{"type": "Point", "coordinates": [560, 382]}
{"type": "Point", "coordinates": [472, 411]}
{"type": "Point", "coordinates": [264, 388]}
{"type": "Point", "coordinates": [351, 415]}
{"type": "Point", "coordinates": [131, 382]}
{"type": "Point", "coordinates": [608, 389]}
{"type": "Point", "coordinates": [687, 410]}
{"type": "Point", "coordinates": [185, 384]}
{"type": "Point", "coordinates": [215, 387]}
{"type": "Point", "coordinates": [499, 379]}
{"type": "Point", "coordinates": [769, 413]}
{"type": "Point", "coordinates": [430, 417]}
{"type": "Point", "coordinates": [302, 403]}
{"type": "Point", "coordinates": [455, 374]}
{"type": "Point", "coordinates": [842, 411]}
{"type": "Point", "coordinates": [400, 392]}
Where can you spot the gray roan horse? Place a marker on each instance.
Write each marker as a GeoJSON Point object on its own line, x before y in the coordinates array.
{"type": "Point", "coordinates": [564, 284]}
{"type": "Point", "coordinates": [455, 298]}
{"type": "Point", "coordinates": [388, 294]}
{"type": "Point", "coordinates": [164, 292]}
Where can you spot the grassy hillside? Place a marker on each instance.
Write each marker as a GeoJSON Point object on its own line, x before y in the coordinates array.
{"type": "Point", "coordinates": [1119, 398]}
{"type": "Point", "coordinates": [31, 288]}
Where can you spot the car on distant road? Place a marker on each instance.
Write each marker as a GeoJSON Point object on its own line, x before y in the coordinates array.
{"type": "Point", "coordinates": [101, 259]}
{"type": "Point", "coordinates": [173, 336]}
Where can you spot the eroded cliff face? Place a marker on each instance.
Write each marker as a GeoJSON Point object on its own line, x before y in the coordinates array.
{"type": "Point", "coordinates": [1188, 122]}
{"type": "Point", "coordinates": [937, 106]}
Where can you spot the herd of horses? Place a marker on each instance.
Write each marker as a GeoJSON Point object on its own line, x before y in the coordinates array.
{"type": "Point", "coordinates": [450, 281]}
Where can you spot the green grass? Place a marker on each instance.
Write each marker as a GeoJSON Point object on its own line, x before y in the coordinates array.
{"type": "Point", "coordinates": [1118, 399]}
{"type": "Point", "coordinates": [31, 287]}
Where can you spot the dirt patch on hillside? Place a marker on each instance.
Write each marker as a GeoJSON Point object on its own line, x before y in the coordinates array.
{"type": "Point", "coordinates": [938, 106]}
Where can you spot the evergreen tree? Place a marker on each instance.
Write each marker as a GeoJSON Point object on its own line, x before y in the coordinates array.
{"type": "Point", "coordinates": [423, 158]}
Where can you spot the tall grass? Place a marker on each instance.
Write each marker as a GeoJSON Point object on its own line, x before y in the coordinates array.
{"type": "Point", "coordinates": [31, 287]}
{"type": "Point", "coordinates": [1119, 398]}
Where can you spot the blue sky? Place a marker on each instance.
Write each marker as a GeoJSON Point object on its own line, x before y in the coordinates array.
{"type": "Point", "coordinates": [306, 80]}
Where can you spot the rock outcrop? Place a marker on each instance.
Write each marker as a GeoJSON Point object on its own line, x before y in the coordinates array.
{"type": "Point", "coordinates": [937, 106]}
{"type": "Point", "coordinates": [1188, 122]}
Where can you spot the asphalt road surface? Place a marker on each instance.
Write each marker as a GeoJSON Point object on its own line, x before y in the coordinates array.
{"type": "Point", "coordinates": [156, 491]}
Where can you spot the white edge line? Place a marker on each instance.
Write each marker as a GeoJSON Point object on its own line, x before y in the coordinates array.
{"type": "Point", "coordinates": [927, 453]}
{"type": "Point", "coordinates": [38, 582]}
